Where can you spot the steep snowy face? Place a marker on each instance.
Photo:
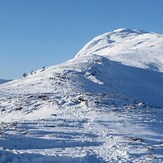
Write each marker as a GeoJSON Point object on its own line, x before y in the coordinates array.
{"type": "Point", "coordinates": [130, 47]}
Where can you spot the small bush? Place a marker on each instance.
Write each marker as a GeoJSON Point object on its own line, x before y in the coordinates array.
{"type": "Point", "coordinates": [25, 75]}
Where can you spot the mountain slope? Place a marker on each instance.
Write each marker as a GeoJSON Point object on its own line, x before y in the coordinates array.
{"type": "Point", "coordinates": [93, 74]}
{"type": "Point", "coordinates": [89, 109]}
{"type": "Point", "coordinates": [130, 47]}
{"type": "Point", "coordinates": [3, 81]}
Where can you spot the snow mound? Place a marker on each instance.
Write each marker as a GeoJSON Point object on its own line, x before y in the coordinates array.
{"type": "Point", "coordinates": [135, 48]}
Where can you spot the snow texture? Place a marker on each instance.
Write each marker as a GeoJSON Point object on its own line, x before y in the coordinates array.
{"type": "Point", "coordinates": [104, 105]}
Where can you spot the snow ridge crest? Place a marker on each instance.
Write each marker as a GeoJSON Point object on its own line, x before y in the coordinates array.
{"type": "Point", "coordinates": [135, 48]}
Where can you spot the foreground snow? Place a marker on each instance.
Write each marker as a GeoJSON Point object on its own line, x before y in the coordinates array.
{"type": "Point", "coordinates": [89, 109]}
{"type": "Point", "coordinates": [72, 134]}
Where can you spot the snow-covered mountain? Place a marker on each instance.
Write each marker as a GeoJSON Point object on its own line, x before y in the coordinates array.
{"type": "Point", "coordinates": [130, 47]}
{"type": "Point", "coordinates": [104, 105]}
{"type": "Point", "coordinates": [4, 81]}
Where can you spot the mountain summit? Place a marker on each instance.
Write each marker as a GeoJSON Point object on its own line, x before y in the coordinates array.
{"type": "Point", "coordinates": [135, 48]}
{"type": "Point", "coordinates": [104, 105]}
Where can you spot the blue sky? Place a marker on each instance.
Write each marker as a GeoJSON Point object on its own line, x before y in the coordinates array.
{"type": "Point", "coordinates": [37, 33]}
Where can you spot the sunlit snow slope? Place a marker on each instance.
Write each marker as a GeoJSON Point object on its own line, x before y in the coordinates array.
{"type": "Point", "coordinates": [104, 105]}
{"type": "Point", "coordinates": [130, 47]}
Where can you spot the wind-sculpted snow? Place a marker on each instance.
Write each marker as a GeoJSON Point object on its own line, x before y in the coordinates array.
{"type": "Point", "coordinates": [130, 47]}
{"type": "Point", "coordinates": [89, 109]}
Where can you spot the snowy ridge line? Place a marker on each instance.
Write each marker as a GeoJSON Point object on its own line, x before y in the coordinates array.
{"type": "Point", "coordinates": [130, 47]}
